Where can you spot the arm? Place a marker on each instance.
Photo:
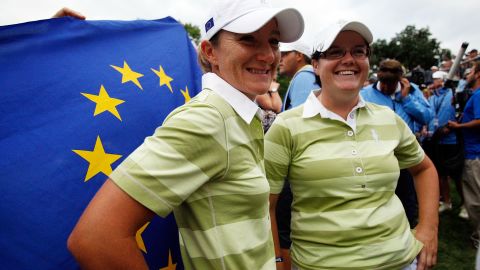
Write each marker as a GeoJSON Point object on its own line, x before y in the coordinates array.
{"type": "Point", "coordinates": [472, 124]}
{"type": "Point", "coordinates": [273, 219]}
{"type": "Point", "coordinates": [426, 186]}
{"type": "Point", "coordinates": [68, 12]}
{"type": "Point", "coordinates": [415, 104]}
{"type": "Point", "coordinates": [271, 100]}
{"type": "Point", "coordinates": [276, 102]}
{"type": "Point", "coordinates": [104, 237]}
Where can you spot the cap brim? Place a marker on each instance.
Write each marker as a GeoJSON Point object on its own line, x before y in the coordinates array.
{"type": "Point", "coordinates": [290, 23]}
{"type": "Point", "coordinates": [360, 28]}
{"type": "Point", "coordinates": [331, 34]}
{"type": "Point", "coordinates": [286, 47]}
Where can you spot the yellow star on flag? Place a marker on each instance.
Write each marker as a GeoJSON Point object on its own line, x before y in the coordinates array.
{"type": "Point", "coordinates": [98, 159]}
{"type": "Point", "coordinates": [138, 237]}
{"type": "Point", "coordinates": [170, 266]}
{"type": "Point", "coordinates": [185, 94]}
{"type": "Point", "coordinates": [104, 102]}
{"type": "Point", "coordinates": [128, 75]}
{"type": "Point", "coordinates": [164, 78]}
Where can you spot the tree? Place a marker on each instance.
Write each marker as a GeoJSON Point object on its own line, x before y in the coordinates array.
{"type": "Point", "coordinates": [193, 31]}
{"type": "Point", "coordinates": [412, 47]}
{"type": "Point", "coordinates": [380, 51]}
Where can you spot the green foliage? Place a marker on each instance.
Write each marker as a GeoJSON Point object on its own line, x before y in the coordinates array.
{"type": "Point", "coordinates": [412, 47]}
{"type": "Point", "coordinates": [193, 31]}
{"type": "Point", "coordinates": [455, 249]}
{"type": "Point", "coordinates": [284, 81]}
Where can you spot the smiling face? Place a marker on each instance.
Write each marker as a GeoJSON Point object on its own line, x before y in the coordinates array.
{"type": "Point", "coordinates": [347, 74]}
{"type": "Point", "coordinates": [246, 61]}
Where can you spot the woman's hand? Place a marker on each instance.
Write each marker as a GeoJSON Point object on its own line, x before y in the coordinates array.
{"type": "Point", "coordinates": [68, 12]}
{"type": "Point", "coordinates": [428, 255]}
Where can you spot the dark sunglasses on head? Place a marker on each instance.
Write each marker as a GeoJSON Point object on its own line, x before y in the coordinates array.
{"type": "Point", "coordinates": [391, 70]}
{"type": "Point", "coordinates": [357, 52]}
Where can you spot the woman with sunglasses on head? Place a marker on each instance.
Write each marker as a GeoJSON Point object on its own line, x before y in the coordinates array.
{"type": "Point", "coordinates": [205, 163]}
{"type": "Point", "coordinates": [342, 157]}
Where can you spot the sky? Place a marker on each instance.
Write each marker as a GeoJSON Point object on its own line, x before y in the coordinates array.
{"type": "Point", "coordinates": [450, 22]}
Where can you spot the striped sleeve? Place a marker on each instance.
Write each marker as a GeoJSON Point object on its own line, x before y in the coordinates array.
{"type": "Point", "coordinates": [278, 149]}
{"type": "Point", "coordinates": [408, 151]}
{"type": "Point", "coordinates": [184, 153]}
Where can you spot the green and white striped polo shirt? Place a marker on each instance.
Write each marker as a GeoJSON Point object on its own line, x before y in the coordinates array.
{"type": "Point", "coordinates": [345, 214]}
{"type": "Point", "coordinates": [206, 164]}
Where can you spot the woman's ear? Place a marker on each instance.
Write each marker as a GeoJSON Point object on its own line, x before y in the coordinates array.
{"type": "Point", "coordinates": [209, 52]}
{"type": "Point", "coordinates": [298, 56]}
{"type": "Point", "coordinates": [315, 66]}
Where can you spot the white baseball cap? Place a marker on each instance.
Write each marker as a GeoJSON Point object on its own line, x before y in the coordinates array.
{"type": "Point", "coordinates": [247, 16]}
{"type": "Point", "coordinates": [299, 46]}
{"type": "Point", "coordinates": [440, 75]}
{"type": "Point", "coordinates": [325, 38]}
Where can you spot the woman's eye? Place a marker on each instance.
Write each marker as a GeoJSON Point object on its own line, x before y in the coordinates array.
{"type": "Point", "coordinates": [247, 39]}
{"type": "Point", "coordinates": [275, 42]}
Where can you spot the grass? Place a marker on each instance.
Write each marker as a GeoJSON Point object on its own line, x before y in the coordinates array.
{"type": "Point", "coordinates": [455, 249]}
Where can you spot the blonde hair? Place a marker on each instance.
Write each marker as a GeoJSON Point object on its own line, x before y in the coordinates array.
{"type": "Point", "coordinates": [203, 61]}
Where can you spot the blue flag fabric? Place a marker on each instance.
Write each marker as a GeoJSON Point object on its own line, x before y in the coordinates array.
{"type": "Point", "coordinates": [76, 98]}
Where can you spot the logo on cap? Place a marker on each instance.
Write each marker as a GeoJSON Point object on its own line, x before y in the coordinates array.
{"type": "Point", "coordinates": [209, 24]}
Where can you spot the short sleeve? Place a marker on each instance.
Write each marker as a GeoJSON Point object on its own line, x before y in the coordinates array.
{"type": "Point", "coordinates": [408, 151]}
{"type": "Point", "coordinates": [187, 151]}
{"type": "Point", "coordinates": [278, 149]}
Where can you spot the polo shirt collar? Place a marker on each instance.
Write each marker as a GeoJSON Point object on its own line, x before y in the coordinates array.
{"type": "Point", "coordinates": [399, 89]}
{"type": "Point", "coordinates": [242, 105]}
{"type": "Point", "coordinates": [313, 106]}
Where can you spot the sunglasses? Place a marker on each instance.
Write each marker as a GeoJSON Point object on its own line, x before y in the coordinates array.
{"type": "Point", "coordinates": [391, 70]}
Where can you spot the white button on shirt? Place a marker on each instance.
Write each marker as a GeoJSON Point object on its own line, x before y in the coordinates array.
{"type": "Point", "coordinates": [349, 133]}
{"type": "Point", "coordinates": [359, 170]}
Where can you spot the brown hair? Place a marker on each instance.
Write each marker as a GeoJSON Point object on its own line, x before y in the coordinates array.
{"type": "Point", "coordinates": [390, 71]}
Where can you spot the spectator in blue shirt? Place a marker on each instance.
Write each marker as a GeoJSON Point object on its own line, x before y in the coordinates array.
{"type": "Point", "coordinates": [445, 139]}
{"type": "Point", "coordinates": [470, 126]}
{"type": "Point", "coordinates": [295, 64]}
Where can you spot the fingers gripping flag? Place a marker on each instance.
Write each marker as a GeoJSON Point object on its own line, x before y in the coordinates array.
{"type": "Point", "coordinates": [76, 98]}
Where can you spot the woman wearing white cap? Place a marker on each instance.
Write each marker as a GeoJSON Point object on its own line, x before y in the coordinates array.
{"type": "Point", "coordinates": [342, 157]}
{"type": "Point", "coordinates": [205, 163]}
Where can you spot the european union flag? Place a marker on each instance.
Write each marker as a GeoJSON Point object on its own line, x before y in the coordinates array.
{"type": "Point", "coordinates": [76, 98]}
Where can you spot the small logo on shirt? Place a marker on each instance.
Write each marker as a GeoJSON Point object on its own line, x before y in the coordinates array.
{"type": "Point", "coordinates": [374, 135]}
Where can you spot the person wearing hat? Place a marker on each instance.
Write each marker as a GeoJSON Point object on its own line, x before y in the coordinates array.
{"type": "Point", "coordinates": [408, 102]}
{"type": "Point", "coordinates": [205, 163]}
{"type": "Point", "coordinates": [470, 127]}
{"type": "Point", "coordinates": [295, 63]}
{"type": "Point", "coordinates": [445, 141]}
{"type": "Point", "coordinates": [472, 54]}
{"type": "Point", "coordinates": [342, 157]}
